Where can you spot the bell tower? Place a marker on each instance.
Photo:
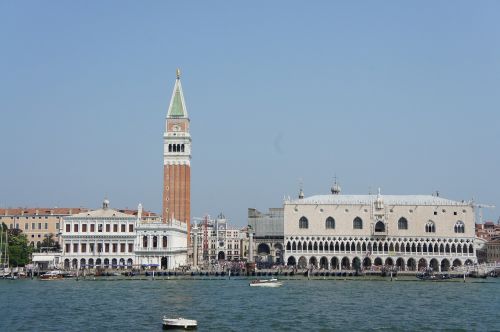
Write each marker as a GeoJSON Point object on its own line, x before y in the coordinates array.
{"type": "Point", "coordinates": [177, 159]}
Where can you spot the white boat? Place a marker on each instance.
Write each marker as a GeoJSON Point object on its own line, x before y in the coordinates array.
{"type": "Point", "coordinates": [179, 323]}
{"type": "Point", "coordinates": [51, 275]}
{"type": "Point", "coordinates": [266, 283]}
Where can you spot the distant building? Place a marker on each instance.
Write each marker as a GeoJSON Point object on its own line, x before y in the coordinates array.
{"type": "Point", "coordinates": [37, 223]}
{"type": "Point", "coordinates": [217, 241]}
{"type": "Point", "coordinates": [268, 235]}
{"type": "Point", "coordinates": [352, 231]}
{"type": "Point", "coordinates": [493, 251]}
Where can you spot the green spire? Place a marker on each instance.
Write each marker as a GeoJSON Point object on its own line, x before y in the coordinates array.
{"type": "Point", "coordinates": [177, 106]}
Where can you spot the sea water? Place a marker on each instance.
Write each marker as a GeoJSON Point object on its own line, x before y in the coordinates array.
{"type": "Point", "coordinates": [231, 305]}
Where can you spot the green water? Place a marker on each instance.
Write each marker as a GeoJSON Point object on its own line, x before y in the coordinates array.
{"type": "Point", "coordinates": [231, 305]}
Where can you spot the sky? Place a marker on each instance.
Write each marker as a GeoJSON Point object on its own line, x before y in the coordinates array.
{"type": "Point", "coordinates": [404, 96]}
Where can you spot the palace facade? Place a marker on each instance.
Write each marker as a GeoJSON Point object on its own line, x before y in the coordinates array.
{"type": "Point", "coordinates": [409, 232]}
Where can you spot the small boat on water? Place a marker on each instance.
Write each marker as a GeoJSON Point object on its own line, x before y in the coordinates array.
{"type": "Point", "coordinates": [179, 323]}
{"type": "Point", "coordinates": [266, 283]}
{"type": "Point", "coordinates": [51, 275]}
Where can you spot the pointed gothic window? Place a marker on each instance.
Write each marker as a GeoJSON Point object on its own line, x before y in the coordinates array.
{"type": "Point", "coordinates": [459, 227]}
{"type": "Point", "coordinates": [357, 223]}
{"type": "Point", "coordinates": [430, 227]}
{"type": "Point", "coordinates": [402, 223]}
{"type": "Point", "coordinates": [330, 223]}
{"type": "Point", "coordinates": [303, 223]}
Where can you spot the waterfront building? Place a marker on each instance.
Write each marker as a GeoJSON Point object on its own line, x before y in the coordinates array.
{"type": "Point", "coordinates": [177, 160]}
{"type": "Point", "coordinates": [365, 231]}
{"type": "Point", "coordinates": [267, 235]}
{"type": "Point", "coordinates": [159, 244]}
{"type": "Point", "coordinates": [37, 223]}
{"type": "Point", "coordinates": [99, 238]}
{"type": "Point", "coordinates": [493, 251]}
{"type": "Point", "coordinates": [217, 241]}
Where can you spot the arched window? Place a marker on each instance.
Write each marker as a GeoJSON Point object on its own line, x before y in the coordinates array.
{"type": "Point", "coordinates": [170, 148]}
{"type": "Point", "coordinates": [155, 242]}
{"type": "Point", "coordinates": [402, 223]}
{"type": "Point", "coordinates": [459, 227]}
{"type": "Point", "coordinates": [430, 227]}
{"type": "Point", "coordinates": [144, 241]}
{"type": "Point", "coordinates": [357, 223]}
{"type": "Point", "coordinates": [330, 223]}
{"type": "Point", "coordinates": [182, 148]}
{"type": "Point", "coordinates": [164, 242]}
{"type": "Point", "coordinates": [303, 223]}
{"type": "Point", "coordinates": [380, 226]}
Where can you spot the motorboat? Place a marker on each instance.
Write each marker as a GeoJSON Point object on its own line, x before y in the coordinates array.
{"type": "Point", "coordinates": [51, 275]}
{"type": "Point", "coordinates": [179, 323]}
{"type": "Point", "coordinates": [266, 283]}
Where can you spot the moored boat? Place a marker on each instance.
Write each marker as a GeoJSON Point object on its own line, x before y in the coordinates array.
{"type": "Point", "coordinates": [51, 275]}
{"type": "Point", "coordinates": [179, 323]}
{"type": "Point", "coordinates": [266, 283]}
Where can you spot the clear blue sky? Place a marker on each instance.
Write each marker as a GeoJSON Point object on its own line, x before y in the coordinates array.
{"type": "Point", "coordinates": [399, 95]}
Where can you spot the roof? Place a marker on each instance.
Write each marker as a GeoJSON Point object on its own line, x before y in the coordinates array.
{"type": "Point", "coordinates": [63, 211]}
{"type": "Point", "coordinates": [102, 213]}
{"type": "Point", "coordinates": [369, 199]}
{"type": "Point", "coordinates": [177, 107]}
{"type": "Point", "coordinates": [41, 211]}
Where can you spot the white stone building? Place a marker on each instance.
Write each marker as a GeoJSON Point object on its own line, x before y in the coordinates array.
{"type": "Point", "coordinates": [103, 237]}
{"type": "Point", "coordinates": [160, 244]}
{"type": "Point", "coordinates": [362, 231]}
{"type": "Point", "coordinates": [108, 238]}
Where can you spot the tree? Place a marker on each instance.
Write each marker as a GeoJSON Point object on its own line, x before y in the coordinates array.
{"type": "Point", "coordinates": [49, 243]}
{"type": "Point", "coordinates": [19, 250]}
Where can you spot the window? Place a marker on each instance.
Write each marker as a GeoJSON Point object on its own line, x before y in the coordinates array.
{"type": "Point", "coordinates": [99, 228]}
{"type": "Point", "coordinates": [402, 223]}
{"type": "Point", "coordinates": [459, 227]}
{"type": "Point", "coordinates": [46, 226]}
{"type": "Point", "coordinates": [357, 223]}
{"type": "Point", "coordinates": [380, 226]}
{"type": "Point", "coordinates": [330, 223]}
{"type": "Point", "coordinates": [75, 247]}
{"type": "Point", "coordinates": [122, 247]}
{"type": "Point", "coordinates": [115, 247]}
{"type": "Point", "coordinates": [106, 246]}
{"type": "Point", "coordinates": [144, 241]}
{"type": "Point", "coordinates": [123, 228]}
{"type": "Point", "coordinates": [33, 226]}
{"type": "Point", "coordinates": [164, 242]}
{"type": "Point", "coordinates": [108, 228]}
{"type": "Point", "coordinates": [131, 228]}
{"type": "Point", "coordinates": [155, 242]}
{"type": "Point", "coordinates": [303, 223]}
{"type": "Point", "coordinates": [68, 247]}
{"type": "Point", "coordinates": [115, 228]}
{"type": "Point", "coordinates": [75, 227]}
{"type": "Point", "coordinates": [39, 225]}
{"type": "Point", "coordinates": [130, 247]}
{"type": "Point", "coordinates": [84, 247]}
{"type": "Point", "coordinates": [57, 226]}
{"type": "Point", "coordinates": [92, 227]}
{"type": "Point", "coordinates": [68, 228]}
{"type": "Point", "coordinates": [26, 226]}
{"type": "Point", "coordinates": [99, 247]}
{"type": "Point", "coordinates": [91, 245]}
{"type": "Point", "coordinates": [430, 227]}
{"type": "Point", "coordinates": [84, 228]}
